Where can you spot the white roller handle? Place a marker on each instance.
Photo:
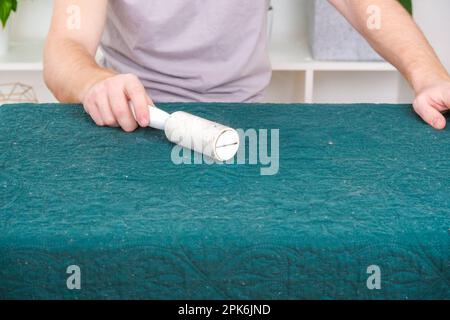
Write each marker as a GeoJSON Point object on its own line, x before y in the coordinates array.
{"type": "Point", "coordinates": [158, 117]}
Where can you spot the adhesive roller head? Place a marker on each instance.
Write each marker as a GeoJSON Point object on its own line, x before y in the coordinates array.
{"type": "Point", "coordinates": [209, 138]}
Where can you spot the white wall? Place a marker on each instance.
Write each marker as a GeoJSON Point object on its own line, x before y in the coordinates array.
{"type": "Point", "coordinates": [32, 20]}
{"type": "Point", "coordinates": [433, 17]}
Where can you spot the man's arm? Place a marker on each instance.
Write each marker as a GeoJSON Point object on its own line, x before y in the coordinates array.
{"type": "Point", "coordinates": [71, 73]}
{"type": "Point", "coordinates": [400, 41]}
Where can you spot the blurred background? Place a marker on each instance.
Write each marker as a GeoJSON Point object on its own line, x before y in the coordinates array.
{"type": "Point", "coordinates": [315, 54]}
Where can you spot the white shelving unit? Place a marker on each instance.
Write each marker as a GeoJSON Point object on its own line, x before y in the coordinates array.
{"type": "Point", "coordinates": [287, 56]}
{"type": "Point", "coordinates": [23, 57]}
{"type": "Point", "coordinates": [23, 64]}
{"type": "Point", "coordinates": [296, 56]}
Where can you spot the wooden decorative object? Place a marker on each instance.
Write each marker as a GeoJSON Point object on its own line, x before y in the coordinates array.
{"type": "Point", "coordinates": [17, 93]}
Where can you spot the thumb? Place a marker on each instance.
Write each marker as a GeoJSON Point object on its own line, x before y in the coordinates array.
{"type": "Point", "coordinates": [430, 115]}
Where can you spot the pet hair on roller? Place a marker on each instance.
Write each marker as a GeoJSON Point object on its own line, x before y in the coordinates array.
{"type": "Point", "coordinates": [201, 135]}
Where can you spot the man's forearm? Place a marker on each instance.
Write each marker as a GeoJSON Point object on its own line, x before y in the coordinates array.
{"type": "Point", "coordinates": [398, 39]}
{"type": "Point", "coordinates": [70, 70]}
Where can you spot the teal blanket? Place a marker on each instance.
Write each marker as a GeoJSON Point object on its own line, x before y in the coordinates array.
{"type": "Point", "coordinates": [357, 207]}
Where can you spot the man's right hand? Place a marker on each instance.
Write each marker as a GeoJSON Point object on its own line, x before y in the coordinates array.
{"type": "Point", "coordinates": [73, 75]}
{"type": "Point", "coordinates": [108, 102]}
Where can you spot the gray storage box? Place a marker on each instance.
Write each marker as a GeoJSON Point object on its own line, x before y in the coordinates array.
{"type": "Point", "coordinates": [331, 37]}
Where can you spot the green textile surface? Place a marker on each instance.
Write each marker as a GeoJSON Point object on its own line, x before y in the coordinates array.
{"type": "Point", "coordinates": [357, 185]}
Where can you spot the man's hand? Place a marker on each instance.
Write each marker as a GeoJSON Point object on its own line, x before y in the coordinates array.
{"type": "Point", "coordinates": [399, 40]}
{"type": "Point", "coordinates": [108, 102]}
{"type": "Point", "coordinates": [72, 74]}
{"type": "Point", "coordinates": [431, 102]}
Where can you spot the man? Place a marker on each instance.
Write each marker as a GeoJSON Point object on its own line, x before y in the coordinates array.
{"type": "Point", "coordinates": [210, 50]}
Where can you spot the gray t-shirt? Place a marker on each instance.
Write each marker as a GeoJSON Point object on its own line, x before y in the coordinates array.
{"type": "Point", "coordinates": [190, 50]}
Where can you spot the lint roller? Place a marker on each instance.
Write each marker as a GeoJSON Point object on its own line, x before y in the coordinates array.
{"type": "Point", "coordinates": [204, 136]}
